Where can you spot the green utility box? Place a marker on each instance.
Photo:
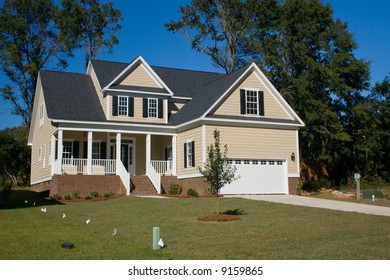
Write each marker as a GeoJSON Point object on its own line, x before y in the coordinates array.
{"type": "Point", "coordinates": [367, 194]}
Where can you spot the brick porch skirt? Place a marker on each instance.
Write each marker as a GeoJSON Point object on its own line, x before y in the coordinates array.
{"type": "Point", "coordinates": [85, 184]}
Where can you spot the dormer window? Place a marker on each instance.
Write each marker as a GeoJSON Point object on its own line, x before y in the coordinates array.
{"type": "Point", "coordinates": [122, 106]}
{"type": "Point", "coordinates": [252, 102]}
{"type": "Point", "coordinates": [152, 108]}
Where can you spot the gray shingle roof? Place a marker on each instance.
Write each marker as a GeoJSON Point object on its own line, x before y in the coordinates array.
{"type": "Point", "coordinates": [70, 96]}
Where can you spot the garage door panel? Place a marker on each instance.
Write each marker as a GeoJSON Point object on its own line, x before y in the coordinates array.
{"type": "Point", "coordinates": [259, 177]}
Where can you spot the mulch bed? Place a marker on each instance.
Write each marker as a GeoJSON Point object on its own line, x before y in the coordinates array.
{"type": "Point", "coordinates": [99, 198]}
{"type": "Point", "coordinates": [219, 218]}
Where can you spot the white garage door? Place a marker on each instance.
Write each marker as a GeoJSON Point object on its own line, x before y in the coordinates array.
{"type": "Point", "coordinates": [259, 177]}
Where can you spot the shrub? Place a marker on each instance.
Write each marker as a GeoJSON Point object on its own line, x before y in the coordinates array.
{"type": "Point", "coordinates": [88, 197]}
{"type": "Point", "coordinates": [67, 197]}
{"type": "Point", "coordinates": [55, 196]}
{"type": "Point", "coordinates": [174, 188]}
{"type": "Point", "coordinates": [76, 194]}
{"type": "Point", "coordinates": [109, 194]}
{"type": "Point", "coordinates": [94, 194]}
{"type": "Point", "coordinates": [192, 192]}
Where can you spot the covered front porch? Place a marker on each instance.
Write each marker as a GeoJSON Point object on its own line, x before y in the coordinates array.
{"type": "Point", "coordinates": [114, 153]}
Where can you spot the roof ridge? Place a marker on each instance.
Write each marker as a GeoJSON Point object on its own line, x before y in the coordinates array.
{"type": "Point", "coordinates": [189, 70]}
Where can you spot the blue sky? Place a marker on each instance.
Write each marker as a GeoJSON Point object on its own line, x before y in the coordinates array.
{"type": "Point", "coordinates": [143, 34]}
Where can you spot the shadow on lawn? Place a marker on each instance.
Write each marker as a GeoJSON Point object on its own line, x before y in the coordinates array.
{"type": "Point", "coordinates": [235, 212]}
{"type": "Point", "coordinates": [22, 198]}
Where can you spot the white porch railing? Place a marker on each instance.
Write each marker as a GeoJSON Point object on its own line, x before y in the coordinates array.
{"type": "Point", "coordinates": [79, 165]}
{"type": "Point", "coordinates": [162, 166]}
{"type": "Point", "coordinates": [124, 175]}
{"type": "Point", "coordinates": [154, 177]}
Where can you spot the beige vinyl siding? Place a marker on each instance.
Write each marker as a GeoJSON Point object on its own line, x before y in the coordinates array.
{"type": "Point", "coordinates": [183, 137]}
{"type": "Point", "coordinates": [140, 77]}
{"type": "Point", "coordinates": [42, 135]}
{"type": "Point", "coordinates": [98, 88]}
{"type": "Point", "coordinates": [138, 113]}
{"type": "Point", "coordinates": [272, 108]}
{"type": "Point", "coordinates": [174, 107]}
{"type": "Point", "coordinates": [257, 143]}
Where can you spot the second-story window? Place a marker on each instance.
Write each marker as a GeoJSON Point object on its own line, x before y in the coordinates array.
{"type": "Point", "coordinates": [122, 106]}
{"type": "Point", "coordinates": [152, 108]}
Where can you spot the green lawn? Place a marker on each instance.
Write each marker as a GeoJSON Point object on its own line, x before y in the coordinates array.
{"type": "Point", "coordinates": [265, 231]}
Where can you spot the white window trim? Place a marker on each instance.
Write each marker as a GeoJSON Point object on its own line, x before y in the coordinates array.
{"type": "Point", "coordinates": [246, 101]}
{"type": "Point", "coordinates": [188, 155]}
{"type": "Point", "coordinates": [126, 107]}
{"type": "Point", "coordinates": [151, 117]}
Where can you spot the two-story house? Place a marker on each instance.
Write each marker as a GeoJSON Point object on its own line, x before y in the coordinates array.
{"type": "Point", "coordinates": [127, 127]}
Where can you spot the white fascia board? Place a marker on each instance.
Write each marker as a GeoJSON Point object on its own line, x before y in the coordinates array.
{"type": "Point", "coordinates": [136, 91]}
{"type": "Point", "coordinates": [107, 127]}
{"type": "Point", "coordinates": [181, 98]}
{"type": "Point", "coordinates": [88, 72]}
{"type": "Point", "coordinates": [264, 123]}
{"type": "Point", "coordinates": [149, 70]}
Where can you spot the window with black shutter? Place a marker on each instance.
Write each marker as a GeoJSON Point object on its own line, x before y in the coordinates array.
{"type": "Point", "coordinates": [189, 154]}
{"type": "Point", "coordinates": [251, 102]}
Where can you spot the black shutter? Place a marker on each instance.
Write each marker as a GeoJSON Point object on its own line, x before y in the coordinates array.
{"type": "Point", "coordinates": [261, 102]}
{"type": "Point", "coordinates": [242, 101]}
{"type": "Point", "coordinates": [160, 109]}
{"type": "Point", "coordinates": [145, 107]}
{"type": "Point", "coordinates": [193, 153]}
{"type": "Point", "coordinates": [76, 149]}
{"type": "Point", "coordinates": [56, 150]}
{"type": "Point", "coordinates": [130, 107]}
{"type": "Point", "coordinates": [166, 153]}
{"type": "Point", "coordinates": [185, 155]}
{"type": "Point", "coordinates": [103, 150]}
{"type": "Point", "coordinates": [85, 150]}
{"type": "Point", "coordinates": [115, 105]}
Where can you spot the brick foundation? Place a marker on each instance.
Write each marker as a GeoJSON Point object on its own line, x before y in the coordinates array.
{"type": "Point", "coordinates": [292, 185]}
{"type": "Point", "coordinates": [200, 184]}
{"type": "Point", "coordinates": [85, 184]}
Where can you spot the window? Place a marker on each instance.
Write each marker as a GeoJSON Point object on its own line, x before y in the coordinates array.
{"type": "Point", "coordinates": [39, 154]}
{"type": "Point", "coordinates": [279, 162]}
{"type": "Point", "coordinates": [271, 162]}
{"type": "Point", "coordinates": [189, 154]}
{"type": "Point", "coordinates": [238, 161]}
{"type": "Point", "coordinates": [152, 108]}
{"type": "Point", "coordinates": [252, 102]}
{"type": "Point", "coordinates": [255, 162]}
{"type": "Point", "coordinates": [41, 114]}
{"type": "Point", "coordinates": [122, 106]}
{"type": "Point", "coordinates": [67, 151]}
{"type": "Point", "coordinates": [263, 162]}
{"type": "Point", "coordinates": [95, 150]}
{"type": "Point", "coordinates": [247, 161]}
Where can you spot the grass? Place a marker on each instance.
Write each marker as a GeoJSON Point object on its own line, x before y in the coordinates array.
{"type": "Point", "coordinates": [265, 231]}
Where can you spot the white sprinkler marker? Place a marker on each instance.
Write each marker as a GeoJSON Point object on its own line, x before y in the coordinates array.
{"type": "Point", "coordinates": [161, 243]}
{"type": "Point", "coordinates": [88, 221]}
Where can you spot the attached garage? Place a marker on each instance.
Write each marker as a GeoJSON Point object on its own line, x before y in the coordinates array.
{"type": "Point", "coordinates": [259, 177]}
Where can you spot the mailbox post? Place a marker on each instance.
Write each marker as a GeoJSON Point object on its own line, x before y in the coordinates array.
{"type": "Point", "coordinates": [357, 180]}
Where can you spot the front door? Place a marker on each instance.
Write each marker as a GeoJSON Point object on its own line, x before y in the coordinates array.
{"type": "Point", "coordinates": [127, 154]}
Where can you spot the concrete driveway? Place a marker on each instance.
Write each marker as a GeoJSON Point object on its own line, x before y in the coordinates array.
{"type": "Point", "coordinates": [320, 203]}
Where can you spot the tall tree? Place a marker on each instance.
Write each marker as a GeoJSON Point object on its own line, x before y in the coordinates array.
{"type": "Point", "coordinates": [28, 42]}
{"type": "Point", "coordinates": [215, 28]}
{"type": "Point", "coordinates": [14, 155]}
{"type": "Point", "coordinates": [90, 25]}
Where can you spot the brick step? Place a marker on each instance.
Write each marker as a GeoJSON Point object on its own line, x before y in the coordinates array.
{"type": "Point", "coordinates": [141, 185]}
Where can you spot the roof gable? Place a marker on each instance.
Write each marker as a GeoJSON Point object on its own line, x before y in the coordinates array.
{"type": "Point", "coordinates": [138, 74]}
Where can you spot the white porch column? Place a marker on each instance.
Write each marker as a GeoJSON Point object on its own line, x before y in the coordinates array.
{"type": "Point", "coordinates": [174, 173]}
{"type": "Point", "coordinates": [148, 152]}
{"type": "Point", "coordinates": [118, 150]}
{"type": "Point", "coordinates": [89, 153]}
{"type": "Point", "coordinates": [59, 151]}
{"type": "Point", "coordinates": [52, 154]}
